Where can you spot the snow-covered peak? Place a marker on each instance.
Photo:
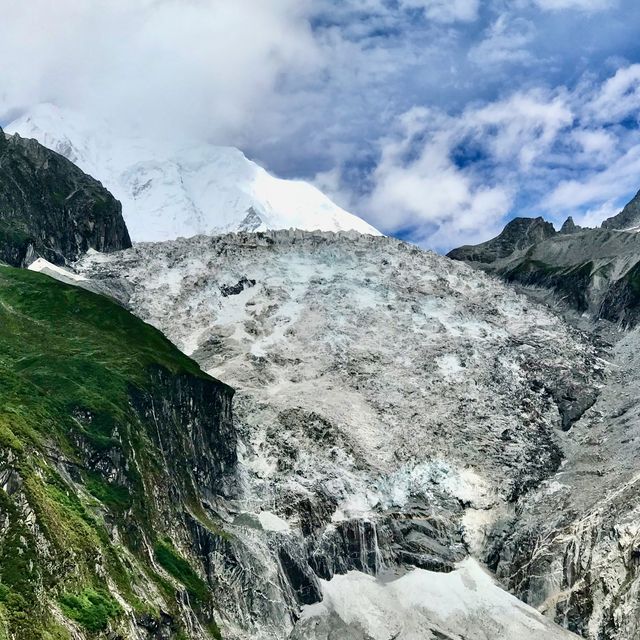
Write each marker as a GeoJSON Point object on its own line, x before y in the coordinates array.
{"type": "Point", "coordinates": [168, 192]}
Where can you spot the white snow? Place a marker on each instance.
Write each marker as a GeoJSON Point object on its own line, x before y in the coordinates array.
{"type": "Point", "coordinates": [464, 603]}
{"type": "Point", "coordinates": [272, 522]}
{"type": "Point", "coordinates": [59, 273]}
{"type": "Point", "coordinates": [449, 365]}
{"type": "Point", "coordinates": [171, 192]}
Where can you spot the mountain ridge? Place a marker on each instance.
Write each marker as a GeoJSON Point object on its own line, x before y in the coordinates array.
{"type": "Point", "coordinates": [594, 271]}
{"type": "Point", "coordinates": [49, 207]}
{"type": "Point", "coordinates": [170, 191]}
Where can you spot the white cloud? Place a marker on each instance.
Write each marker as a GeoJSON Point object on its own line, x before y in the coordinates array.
{"type": "Point", "coordinates": [598, 187]}
{"type": "Point", "coordinates": [555, 152]}
{"type": "Point", "coordinates": [186, 64]}
{"type": "Point", "coordinates": [524, 126]}
{"type": "Point", "coordinates": [583, 5]}
{"type": "Point", "coordinates": [419, 179]}
{"type": "Point", "coordinates": [446, 10]}
{"type": "Point", "coordinates": [595, 143]}
{"type": "Point", "coordinates": [428, 188]}
{"type": "Point", "coordinates": [506, 41]}
{"type": "Point", "coordinates": [618, 98]}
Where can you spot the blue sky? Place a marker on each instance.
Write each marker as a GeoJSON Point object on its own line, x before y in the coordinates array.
{"type": "Point", "coordinates": [435, 120]}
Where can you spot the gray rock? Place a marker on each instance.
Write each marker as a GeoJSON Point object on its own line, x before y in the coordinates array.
{"type": "Point", "coordinates": [50, 208]}
{"type": "Point", "coordinates": [520, 233]}
{"type": "Point", "coordinates": [628, 218]}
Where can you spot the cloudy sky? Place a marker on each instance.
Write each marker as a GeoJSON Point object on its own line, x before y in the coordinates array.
{"type": "Point", "coordinates": [435, 120]}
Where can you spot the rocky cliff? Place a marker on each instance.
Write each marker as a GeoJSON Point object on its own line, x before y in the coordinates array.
{"type": "Point", "coordinates": [519, 234]}
{"type": "Point", "coordinates": [50, 208]}
{"type": "Point", "coordinates": [573, 552]}
{"type": "Point", "coordinates": [628, 218]}
{"type": "Point", "coordinates": [114, 449]}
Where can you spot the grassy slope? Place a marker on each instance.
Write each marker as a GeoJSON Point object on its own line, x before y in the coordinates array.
{"type": "Point", "coordinates": [64, 353]}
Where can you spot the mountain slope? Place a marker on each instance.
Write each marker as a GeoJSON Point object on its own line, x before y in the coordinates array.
{"type": "Point", "coordinates": [49, 207]}
{"type": "Point", "coordinates": [193, 190]}
{"type": "Point", "coordinates": [593, 271]}
{"type": "Point", "coordinates": [112, 443]}
{"type": "Point", "coordinates": [574, 552]}
{"type": "Point", "coordinates": [518, 234]}
{"type": "Point", "coordinates": [392, 408]}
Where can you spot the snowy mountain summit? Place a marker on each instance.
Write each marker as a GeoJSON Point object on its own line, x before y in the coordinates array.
{"type": "Point", "coordinates": [168, 193]}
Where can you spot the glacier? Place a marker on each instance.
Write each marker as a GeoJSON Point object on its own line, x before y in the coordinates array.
{"type": "Point", "coordinates": [392, 407]}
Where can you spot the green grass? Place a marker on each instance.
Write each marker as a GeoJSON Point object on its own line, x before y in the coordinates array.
{"type": "Point", "coordinates": [92, 609]}
{"type": "Point", "coordinates": [175, 565]}
{"type": "Point", "coordinates": [117, 498]}
{"type": "Point", "coordinates": [69, 361]}
{"type": "Point", "coordinates": [65, 352]}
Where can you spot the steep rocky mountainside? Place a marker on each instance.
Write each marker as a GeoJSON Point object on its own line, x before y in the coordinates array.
{"type": "Point", "coordinates": [394, 410]}
{"type": "Point", "coordinates": [518, 235]}
{"type": "Point", "coordinates": [628, 218]}
{"type": "Point", "coordinates": [592, 271]}
{"type": "Point", "coordinates": [49, 207]}
{"type": "Point", "coordinates": [113, 447]}
{"type": "Point", "coordinates": [574, 552]}
{"type": "Point", "coordinates": [169, 192]}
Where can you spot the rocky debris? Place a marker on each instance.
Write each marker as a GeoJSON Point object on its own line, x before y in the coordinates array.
{"type": "Point", "coordinates": [50, 208]}
{"type": "Point", "coordinates": [392, 407]}
{"type": "Point", "coordinates": [235, 289]}
{"type": "Point", "coordinates": [573, 550]}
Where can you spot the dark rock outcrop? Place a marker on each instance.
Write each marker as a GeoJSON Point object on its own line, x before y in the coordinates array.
{"type": "Point", "coordinates": [519, 234]}
{"type": "Point", "coordinates": [569, 226]}
{"type": "Point", "coordinates": [50, 208]}
{"type": "Point", "coordinates": [629, 217]}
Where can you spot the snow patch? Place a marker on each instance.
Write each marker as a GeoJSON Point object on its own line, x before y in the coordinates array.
{"type": "Point", "coordinates": [464, 603]}
{"type": "Point", "coordinates": [449, 365]}
{"type": "Point", "coordinates": [271, 522]}
{"type": "Point", "coordinates": [59, 273]}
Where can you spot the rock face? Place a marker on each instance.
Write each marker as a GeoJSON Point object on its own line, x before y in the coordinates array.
{"type": "Point", "coordinates": [50, 208]}
{"type": "Point", "coordinates": [392, 409]}
{"type": "Point", "coordinates": [574, 550]}
{"type": "Point", "coordinates": [628, 218]}
{"type": "Point", "coordinates": [569, 226]}
{"type": "Point", "coordinates": [592, 271]}
{"type": "Point", "coordinates": [520, 233]}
